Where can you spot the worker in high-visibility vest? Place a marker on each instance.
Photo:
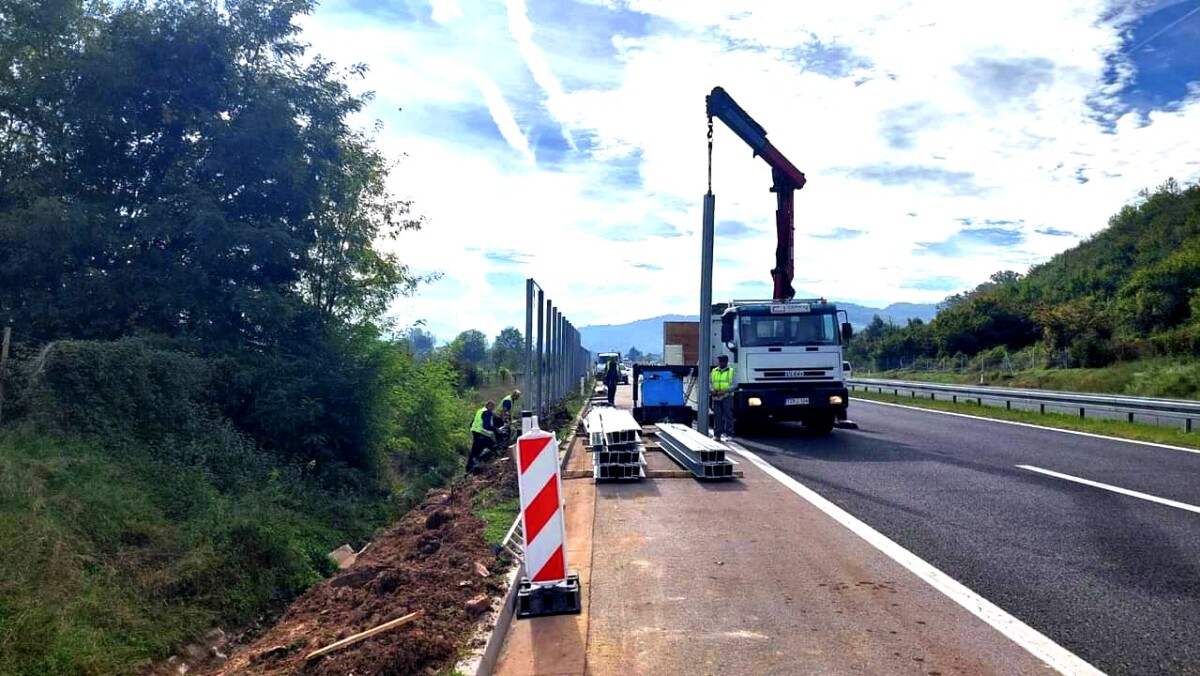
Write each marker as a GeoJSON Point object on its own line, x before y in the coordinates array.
{"type": "Point", "coordinates": [506, 406]}
{"type": "Point", "coordinates": [721, 382]}
{"type": "Point", "coordinates": [483, 433]}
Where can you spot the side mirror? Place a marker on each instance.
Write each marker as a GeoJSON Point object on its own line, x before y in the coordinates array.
{"type": "Point", "coordinates": [727, 329]}
{"type": "Point", "coordinates": [847, 331]}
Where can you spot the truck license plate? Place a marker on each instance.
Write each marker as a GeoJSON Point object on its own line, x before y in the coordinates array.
{"type": "Point", "coordinates": [796, 401]}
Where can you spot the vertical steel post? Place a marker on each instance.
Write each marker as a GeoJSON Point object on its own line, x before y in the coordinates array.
{"type": "Point", "coordinates": [557, 328]}
{"type": "Point", "coordinates": [549, 357]}
{"type": "Point", "coordinates": [541, 361]}
{"type": "Point", "coordinates": [706, 266]}
{"type": "Point", "coordinates": [528, 379]}
{"type": "Point", "coordinates": [554, 356]}
{"type": "Point", "coordinates": [562, 355]}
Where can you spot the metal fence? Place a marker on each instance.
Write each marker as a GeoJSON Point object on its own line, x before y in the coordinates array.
{"type": "Point", "coordinates": [1166, 412]}
{"type": "Point", "coordinates": [557, 360]}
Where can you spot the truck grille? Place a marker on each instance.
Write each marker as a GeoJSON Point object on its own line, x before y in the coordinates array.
{"type": "Point", "coordinates": [814, 373]}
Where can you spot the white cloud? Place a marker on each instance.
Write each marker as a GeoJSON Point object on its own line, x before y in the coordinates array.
{"type": "Point", "coordinates": [445, 11]}
{"type": "Point", "coordinates": [502, 115]}
{"type": "Point", "coordinates": [945, 110]}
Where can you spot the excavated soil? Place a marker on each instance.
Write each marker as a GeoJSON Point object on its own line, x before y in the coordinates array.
{"type": "Point", "coordinates": [424, 562]}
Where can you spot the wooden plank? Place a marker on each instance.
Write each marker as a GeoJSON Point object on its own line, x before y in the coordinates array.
{"type": "Point", "coordinates": [350, 640]}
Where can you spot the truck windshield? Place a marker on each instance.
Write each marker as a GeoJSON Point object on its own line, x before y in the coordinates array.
{"type": "Point", "coordinates": [781, 330]}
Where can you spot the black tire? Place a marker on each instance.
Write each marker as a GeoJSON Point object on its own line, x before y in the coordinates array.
{"type": "Point", "coordinates": [821, 425]}
{"type": "Point", "coordinates": [746, 426]}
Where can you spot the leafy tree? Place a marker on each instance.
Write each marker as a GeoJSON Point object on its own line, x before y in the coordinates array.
{"type": "Point", "coordinates": [470, 347]}
{"type": "Point", "coordinates": [508, 349]}
{"type": "Point", "coordinates": [634, 354]}
{"type": "Point", "coordinates": [420, 341]}
{"type": "Point", "coordinates": [178, 168]}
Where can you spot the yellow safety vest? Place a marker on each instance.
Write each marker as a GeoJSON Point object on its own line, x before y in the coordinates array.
{"type": "Point", "coordinates": [477, 426]}
{"type": "Point", "coordinates": [722, 379]}
{"type": "Point", "coordinates": [500, 408]}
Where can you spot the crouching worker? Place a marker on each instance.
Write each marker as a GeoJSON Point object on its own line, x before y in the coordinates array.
{"type": "Point", "coordinates": [506, 406]}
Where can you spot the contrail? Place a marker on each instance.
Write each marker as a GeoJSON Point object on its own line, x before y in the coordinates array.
{"type": "Point", "coordinates": [522, 31]}
{"type": "Point", "coordinates": [1166, 28]}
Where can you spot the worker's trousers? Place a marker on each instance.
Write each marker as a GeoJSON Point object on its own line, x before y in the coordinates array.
{"type": "Point", "coordinates": [479, 444]}
{"type": "Point", "coordinates": [723, 416]}
{"type": "Point", "coordinates": [612, 393]}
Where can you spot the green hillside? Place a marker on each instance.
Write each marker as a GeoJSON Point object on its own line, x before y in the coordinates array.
{"type": "Point", "coordinates": [203, 396]}
{"type": "Point", "coordinates": [1131, 292]}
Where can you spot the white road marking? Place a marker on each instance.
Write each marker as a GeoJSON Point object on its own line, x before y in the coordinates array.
{"type": "Point", "coordinates": [1115, 489]}
{"type": "Point", "coordinates": [1041, 647]}
{"type": "Point", "coordinates": [1031, 425]}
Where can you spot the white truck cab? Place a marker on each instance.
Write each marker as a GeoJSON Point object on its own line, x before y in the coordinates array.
{"type": "Point", "coordinates": [787, 358]}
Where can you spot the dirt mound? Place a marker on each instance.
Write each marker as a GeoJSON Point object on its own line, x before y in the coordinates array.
{"type": "Point", "coordinates": [424, 562]}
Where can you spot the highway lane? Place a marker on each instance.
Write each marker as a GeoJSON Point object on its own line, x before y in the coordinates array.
{"type": "Point", "coordinates": [1111, 577]}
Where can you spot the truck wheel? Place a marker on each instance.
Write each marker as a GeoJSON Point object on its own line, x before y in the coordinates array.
{"type": "Point", "coordinates": [822, 425]}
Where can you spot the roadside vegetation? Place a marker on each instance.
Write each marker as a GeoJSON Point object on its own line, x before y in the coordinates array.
{"type": "Point", "coordinates": [1113, 428]}
{"type": "Point", "coordinates": [204, 396]}
{"type": "Point", "coordinates": [1118, 313]}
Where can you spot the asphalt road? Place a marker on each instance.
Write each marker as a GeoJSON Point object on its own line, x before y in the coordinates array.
{"type": "Point", "coordinates": [1111, 577]}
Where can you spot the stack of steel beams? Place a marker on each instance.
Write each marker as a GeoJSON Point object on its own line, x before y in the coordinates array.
{"type": "Point", "coordinates": [615, 442]}
{"type": "Point", "coordinates": [704, 457]}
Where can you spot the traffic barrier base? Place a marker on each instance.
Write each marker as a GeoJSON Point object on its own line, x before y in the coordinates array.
{"type": "Point", "coordinates": [564, 598]}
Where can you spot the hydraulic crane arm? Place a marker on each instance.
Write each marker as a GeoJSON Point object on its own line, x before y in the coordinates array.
{"type": "Point", "coordinates": [787, 180]}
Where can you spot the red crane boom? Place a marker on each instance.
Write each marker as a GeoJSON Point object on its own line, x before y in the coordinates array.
{"type": "Point", "coordinates": [787, 180]}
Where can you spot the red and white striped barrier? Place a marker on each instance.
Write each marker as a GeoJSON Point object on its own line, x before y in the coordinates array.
{"type": "Point", "coordinates": [550, 589]}
{"type": "Point", "coordinates": [540, 484]}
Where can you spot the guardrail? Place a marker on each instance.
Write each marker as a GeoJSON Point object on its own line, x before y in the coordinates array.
{"type": "Point", "coordinates": [1175, 412]}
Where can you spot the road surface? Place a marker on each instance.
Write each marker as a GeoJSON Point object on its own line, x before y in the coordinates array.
{"type": "Point", "coordinates": [1112, 577]}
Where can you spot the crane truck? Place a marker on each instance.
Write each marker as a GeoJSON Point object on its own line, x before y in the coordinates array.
{"type": "Point", "coordinates": [787, 353]}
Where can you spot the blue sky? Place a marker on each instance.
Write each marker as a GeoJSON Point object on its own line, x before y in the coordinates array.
{"type": "Point", "coordinates": [943, 141]}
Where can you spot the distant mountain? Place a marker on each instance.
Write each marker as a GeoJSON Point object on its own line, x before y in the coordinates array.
{"type": "Point", "coordinates": [646, 334]}
{"type": "Point", "coordinates": [899, 313]}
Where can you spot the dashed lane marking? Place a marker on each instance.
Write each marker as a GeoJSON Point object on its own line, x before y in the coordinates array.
{"type": "Point", "coordinates": [1115, 489]}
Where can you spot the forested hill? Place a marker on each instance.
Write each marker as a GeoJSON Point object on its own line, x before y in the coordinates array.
{"type": "Point", "coordinates": [1130, 291]}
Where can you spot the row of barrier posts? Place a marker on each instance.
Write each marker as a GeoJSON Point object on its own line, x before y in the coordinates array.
{"type": "Point", "coordinates": [556, 360]}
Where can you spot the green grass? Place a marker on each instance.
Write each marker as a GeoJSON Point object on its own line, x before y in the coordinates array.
{"type": "Point", "coordinates": [1162, 377]}
{"type": "Point", "coordinates": [497, 513]}
{"type": "Point", "coordinates": [1112, 428]}
{"type": "Point", "coordinates": [113, 559]}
